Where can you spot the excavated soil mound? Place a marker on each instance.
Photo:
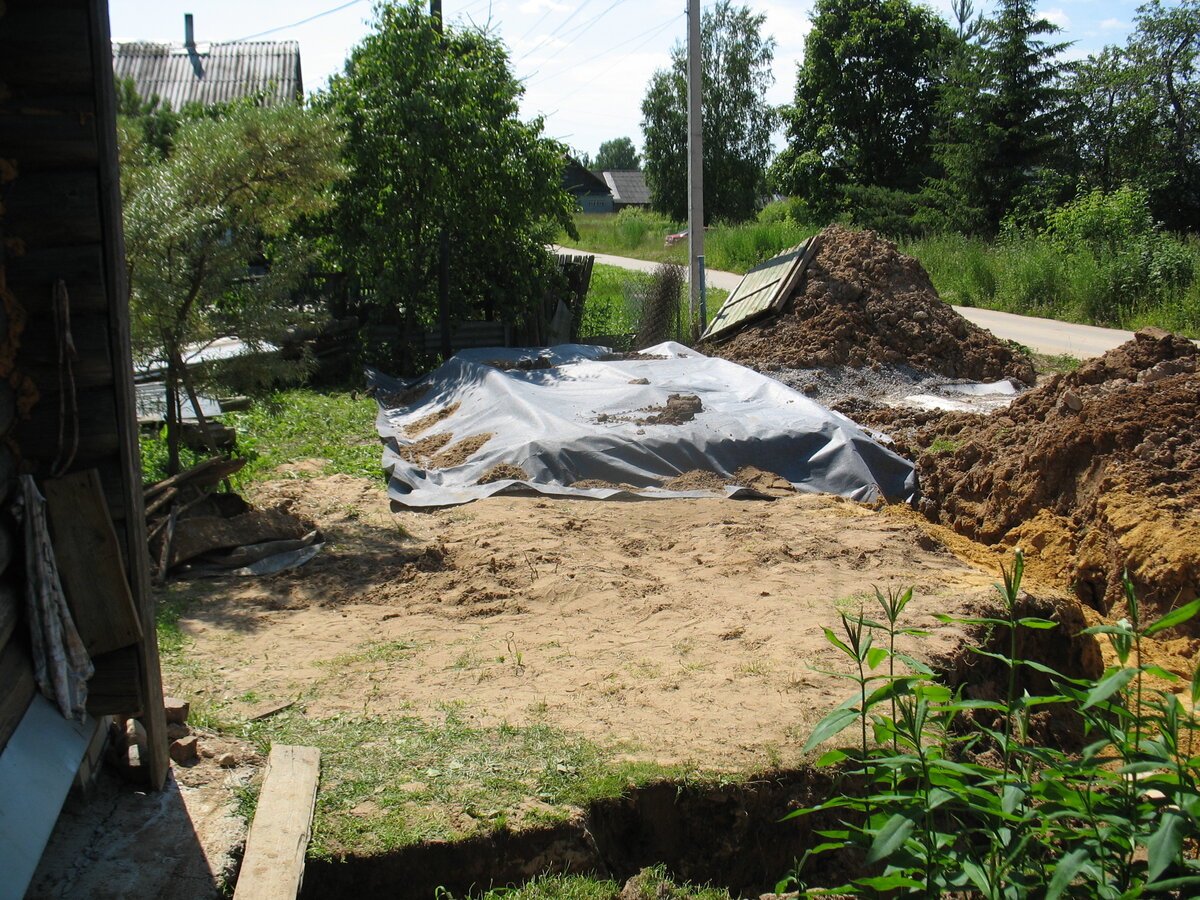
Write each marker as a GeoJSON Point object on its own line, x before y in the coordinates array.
{"type": "Point", "coordinates": [1096, 472]}
{"type": "Point", "coordinates": [861, 302]}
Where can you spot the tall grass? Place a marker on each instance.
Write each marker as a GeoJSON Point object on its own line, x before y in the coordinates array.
{"type": "Point", "coordinates": [631, 232]}
{"type": "Point", "coordinates": [739, 248]}
{"type": "Point", "coordinates": [1026, 273]}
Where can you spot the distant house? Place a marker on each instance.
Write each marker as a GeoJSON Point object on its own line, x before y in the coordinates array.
{"type": "Point", "coordinates": [211, 73]}
{"type": "Point", "coordinates": [628, 188]}
{"type": "Point", "coordinates": [590, 192]}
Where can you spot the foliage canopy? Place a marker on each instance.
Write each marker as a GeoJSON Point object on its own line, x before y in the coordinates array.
{"type": "Point", "coordinates": [737, 119]}
{"type": "Point", "coordinates": [205, 202]}
{"type": "Point", "coordinates": [864, 102]}
{"type": "Point", "coordinates": [435, 146]}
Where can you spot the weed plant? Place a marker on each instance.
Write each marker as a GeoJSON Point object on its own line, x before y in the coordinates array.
{"type": "Point", "coordinates": [962, 800]}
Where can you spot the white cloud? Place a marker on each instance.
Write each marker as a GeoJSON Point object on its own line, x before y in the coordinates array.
{"type": "Point", "coordinates": [1112, 24]}
{"type": "Point", "coordinates": [1056, 17]}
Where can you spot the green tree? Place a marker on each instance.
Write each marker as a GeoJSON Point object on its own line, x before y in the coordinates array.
{"type": "Point", "coordinates": [1002, 122]}
{"type": "Point", "coordinates": [736, 65]}
{"type": "Point", "coordinates": [435, 146]}
{"type": "Point", "coordinates": [865, 98]}
{"type": "Point", "coordinates": [1138, 112]}
{"type": "Point", "coordinates": [615, 155]}
{"type": "Point", "coordinates": [227, 193]}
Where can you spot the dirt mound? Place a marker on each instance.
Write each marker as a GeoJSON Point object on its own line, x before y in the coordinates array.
{"type": "Point", "coordinates": [1097, 471]}
{"type": "Point", "coordinates": [503, 472]}
{"type": "Point", "coordinates": [861, 301]}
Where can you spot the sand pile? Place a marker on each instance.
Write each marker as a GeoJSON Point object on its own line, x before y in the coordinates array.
{"type": "Point", "coordinates": [1095, 472]}
{"type": "Point", "coordinates": [862, 302]}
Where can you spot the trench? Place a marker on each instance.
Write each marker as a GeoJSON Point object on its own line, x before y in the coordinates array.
{"type": "Point", "coordinates": [725, 834]}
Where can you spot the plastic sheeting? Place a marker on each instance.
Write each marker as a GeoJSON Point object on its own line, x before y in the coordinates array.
{"type": "Point", "coordinates": [571, 413]}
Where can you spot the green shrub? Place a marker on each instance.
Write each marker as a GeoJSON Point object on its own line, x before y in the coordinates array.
{"type": "Point", "coordinates": [961, 799]}
{"type": "Point", "coordinates": [1134, 261]}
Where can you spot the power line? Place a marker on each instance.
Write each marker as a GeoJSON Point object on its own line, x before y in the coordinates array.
{"type": "Point", "coordinates": [301, 22]}
{"type": "Point", "coordinates": [649, 34]}
{"type": "Point", "coordinates": [561, 25]}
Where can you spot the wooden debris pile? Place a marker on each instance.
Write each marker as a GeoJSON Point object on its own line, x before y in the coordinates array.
{"type": "Point", "coordinates": [195, 530]}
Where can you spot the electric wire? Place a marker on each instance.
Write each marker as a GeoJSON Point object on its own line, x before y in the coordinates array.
{"type": "Point", "coordinates": [545, 38]}
{"type": "Point", "coordinates": [301, 22]}
{"type": "Point", "coordinates": [648, 34]}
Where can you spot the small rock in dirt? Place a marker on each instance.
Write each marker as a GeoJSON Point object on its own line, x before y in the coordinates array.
{"type": "Point", "coordinates": [1072, 401]}
{"type": "Point", "coordinates": [227, 761]}
{"type": "Point", "coordinates": [175, 731]}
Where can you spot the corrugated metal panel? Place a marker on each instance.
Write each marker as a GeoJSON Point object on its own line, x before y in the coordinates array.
{"type": "Point", "coordinates": [763, 289]}
{"type": "Point", "coordinates": [212, 73]}
{"type": "Point", "coordinates": [628, 186]}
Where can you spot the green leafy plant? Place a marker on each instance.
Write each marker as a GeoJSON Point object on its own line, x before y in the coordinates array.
{"type": "Point", "coordinates": [962, 798]}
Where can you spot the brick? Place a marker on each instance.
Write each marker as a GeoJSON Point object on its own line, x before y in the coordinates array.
{"type": "Point", "coordinates": [184, 750]}
{"type": "Point", "coordinates": [177, 710]}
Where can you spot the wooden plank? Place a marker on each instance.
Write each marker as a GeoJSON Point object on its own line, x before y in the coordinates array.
{"type": "Point", "coordinates": [58, 208]}
{"type": "Point", "coordinates": [273, 867]}
{"type": "Point", "coordinates": [38, 436]}
{"type": "Point", "coordinates": [49, 135]}
{"type": "Point", "coordinates": [756, 292]}
{"type": "Point", "coordinates": [89, 563]}
{"type": "Point", "coordinates": [33, 274]}
{"type": "Point", "coordinates": [39, 351]}
{"type": "Point", "coordinates": [16, 674]}
{"type": "Point", "coordinates": [44, 43]}
{"type": "Point", "coordinates": [113, 688]}
{"type": "Point", "coordinates": [116, 285]}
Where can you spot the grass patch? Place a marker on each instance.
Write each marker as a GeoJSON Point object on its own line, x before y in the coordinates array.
{"type": "Point", "coordinates": [648, 884]}
{"type": "Point", "coordinates": [943, 444]}
{"type": "Point", "coordinates": [391, 781]}
{"type": "Point", "coordinates": [287, 426]}
{"type": "Point", "coordinates": [631, 232]}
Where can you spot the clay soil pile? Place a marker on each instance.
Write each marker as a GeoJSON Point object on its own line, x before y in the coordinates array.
{"type": "Point", "coordinates": [1094, 472]}
{"type": "Point", "coordinates": [862, 302]}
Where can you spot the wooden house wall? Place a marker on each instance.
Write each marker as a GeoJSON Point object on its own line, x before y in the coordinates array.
{"type": "Point", "coordinates": [60, 219]}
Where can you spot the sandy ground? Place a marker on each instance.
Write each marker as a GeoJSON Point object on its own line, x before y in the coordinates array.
{"type": "Point", "coordinates": [686, 630]}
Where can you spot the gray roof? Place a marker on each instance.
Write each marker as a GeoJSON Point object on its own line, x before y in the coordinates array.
{"type": "Point", "coordinates": [211, 73]}
{"type": "Point", "coordinates": [628, 186]}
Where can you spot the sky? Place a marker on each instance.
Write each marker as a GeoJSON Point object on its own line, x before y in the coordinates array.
{"type": "Point", "coordinates": [585, 64]}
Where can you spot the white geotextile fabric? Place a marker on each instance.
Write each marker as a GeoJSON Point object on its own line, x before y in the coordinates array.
{"type": "Point", "coordinates": [551, 423]}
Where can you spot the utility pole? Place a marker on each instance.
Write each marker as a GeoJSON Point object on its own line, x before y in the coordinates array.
{"type": "Point", "coordinates": [695, 170]}
{"type": "Point", "coordinates": [435, 13]}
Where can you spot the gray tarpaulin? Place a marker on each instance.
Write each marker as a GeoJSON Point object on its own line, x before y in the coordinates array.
{"type": "Point", "coordinates": [565, 414]}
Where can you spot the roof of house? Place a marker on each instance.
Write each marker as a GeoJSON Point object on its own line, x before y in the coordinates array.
{"type": "Point", "coordinates": [211, 73]}
{"type": "Point", "coordinates": [579, 181]}
{"type": "Point", "coordinates": [628, 186]}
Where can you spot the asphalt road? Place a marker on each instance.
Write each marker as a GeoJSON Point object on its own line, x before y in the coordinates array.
{"type": "Point", "coordinates": [1041, 335]}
